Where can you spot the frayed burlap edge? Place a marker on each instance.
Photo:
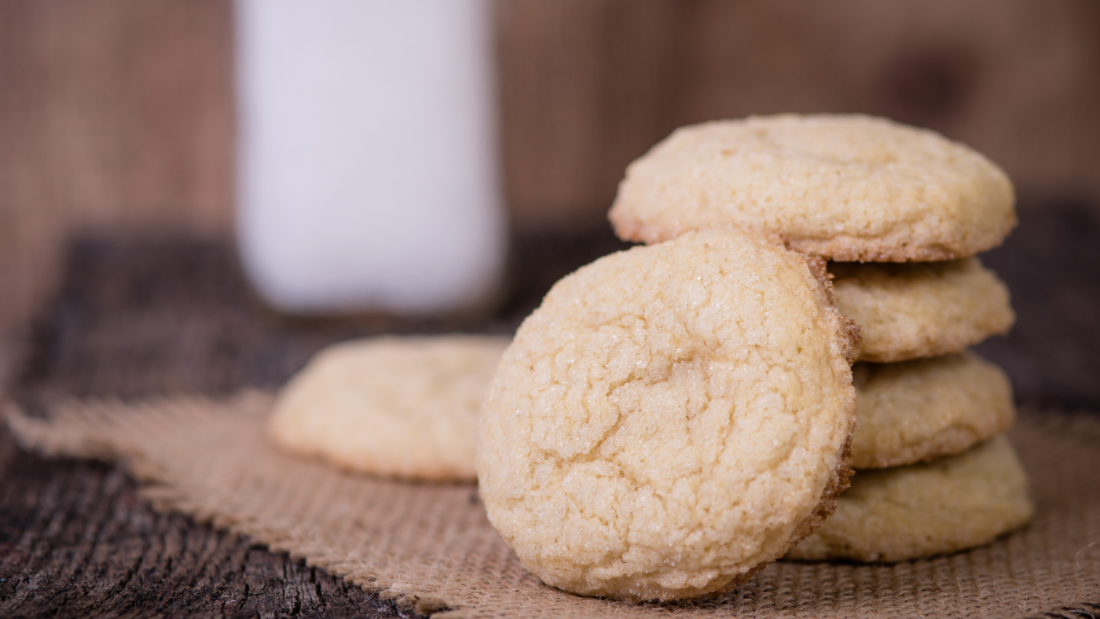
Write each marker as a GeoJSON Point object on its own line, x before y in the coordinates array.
{"type": "Point", "coordinates": [429, 546]}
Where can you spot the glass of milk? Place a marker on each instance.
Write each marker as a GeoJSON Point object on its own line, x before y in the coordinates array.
{"type": "Point", "coordinates": [368, 171]}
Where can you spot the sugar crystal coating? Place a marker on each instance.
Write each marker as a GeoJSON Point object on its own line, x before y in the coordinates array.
{"type": "Point", "coordinates": [921, 309]}
{"type": "Point", "coordinates": [393, 406]}
{"type": "Point", "coordinates": [671, 419]}
{"type": "Point", "coordinates": [920, 410]}
{"type": "Point", "coordinates": [848, 188]}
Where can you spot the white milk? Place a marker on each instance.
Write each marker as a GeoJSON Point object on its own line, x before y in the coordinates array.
{"type": "Point", "coordinates": [368, 168]}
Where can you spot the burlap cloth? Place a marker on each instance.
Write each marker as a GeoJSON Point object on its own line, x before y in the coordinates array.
{"type": "Point", "coordinates": [432, 547]}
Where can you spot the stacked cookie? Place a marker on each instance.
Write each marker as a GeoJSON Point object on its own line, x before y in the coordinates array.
{"type": "Point", "coordinates": [402, 407]}
{"type": "Point", "coordinates": [900, 213]}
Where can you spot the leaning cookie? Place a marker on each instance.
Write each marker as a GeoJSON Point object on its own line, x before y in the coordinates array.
{"type": "Point", "coordinates": [849, 188]}
{"type": "Point", "coordinates": [671, 419]}
{"type": "Point", "coordinates": [923, 309]}
{"type": "Point", "coordinates": [395, 407]}
{"type": "Point", "coordinates": [927, 509]}
{"type": "Point", "coordinates": [921, 410]}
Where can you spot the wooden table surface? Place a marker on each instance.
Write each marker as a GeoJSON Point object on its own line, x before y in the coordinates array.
{"type": "Point", "coordinates": [136, 318]}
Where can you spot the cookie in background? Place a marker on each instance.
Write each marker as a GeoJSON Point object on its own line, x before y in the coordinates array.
{"type": "Point", "coordinates": [401, 407]}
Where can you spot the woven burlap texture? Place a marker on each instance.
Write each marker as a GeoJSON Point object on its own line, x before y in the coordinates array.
{"type": "Point", "coordinates": [431, 546]}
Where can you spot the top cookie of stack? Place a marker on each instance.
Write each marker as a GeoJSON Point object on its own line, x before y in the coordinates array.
{"type": "Point", "coordinates": [846, 188]}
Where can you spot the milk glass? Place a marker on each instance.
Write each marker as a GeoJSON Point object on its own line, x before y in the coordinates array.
{"type": "Point", "coordinates": [368, 166]}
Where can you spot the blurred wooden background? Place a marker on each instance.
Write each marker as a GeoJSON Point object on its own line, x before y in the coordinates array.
{"type": "Point", "coordinates": [117, 115]}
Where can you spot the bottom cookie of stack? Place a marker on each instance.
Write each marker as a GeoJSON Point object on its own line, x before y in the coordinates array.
{"type": "Point", "coordinates": [921, 510]}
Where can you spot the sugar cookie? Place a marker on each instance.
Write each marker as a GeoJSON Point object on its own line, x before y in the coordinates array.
{"type": "Point", "coordinates": [849, 188]}
{"type": "Point", "coordinates": [921, 309]}
{"type": "Point", "coordinates": [401, 407]}
{"type": "Point", "coordinates": [920, 410]}
{"type": "Point", "coordinates": [925, 509]}
{"type": "Point", "coordinates": [670, 419]}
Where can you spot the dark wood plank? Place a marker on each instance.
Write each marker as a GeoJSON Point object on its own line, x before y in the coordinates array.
{"type": "Point", "coordinates": [1051, 263]}
{"type": "Point", "coordinates": [76, 540]}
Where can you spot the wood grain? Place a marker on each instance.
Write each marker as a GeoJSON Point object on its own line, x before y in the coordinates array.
{"type": "Point", "coordinates": [113, 115]}
{"type": "Point", "coordinates": [76, 540]}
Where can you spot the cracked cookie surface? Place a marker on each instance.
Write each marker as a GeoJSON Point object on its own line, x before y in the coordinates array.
{"type": "Point", "coordinates": [848, 188]}
{"type": "Point", "coordinates": [920, 410]}
{"type": "Point", "coordinates": [921, 309]}
{"type": "Point", "coordinates": [402, 407]}
{"type": "Point", "coordinates": [671, 418]}
{"type": "Point", "coordinates": [925, 509]}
